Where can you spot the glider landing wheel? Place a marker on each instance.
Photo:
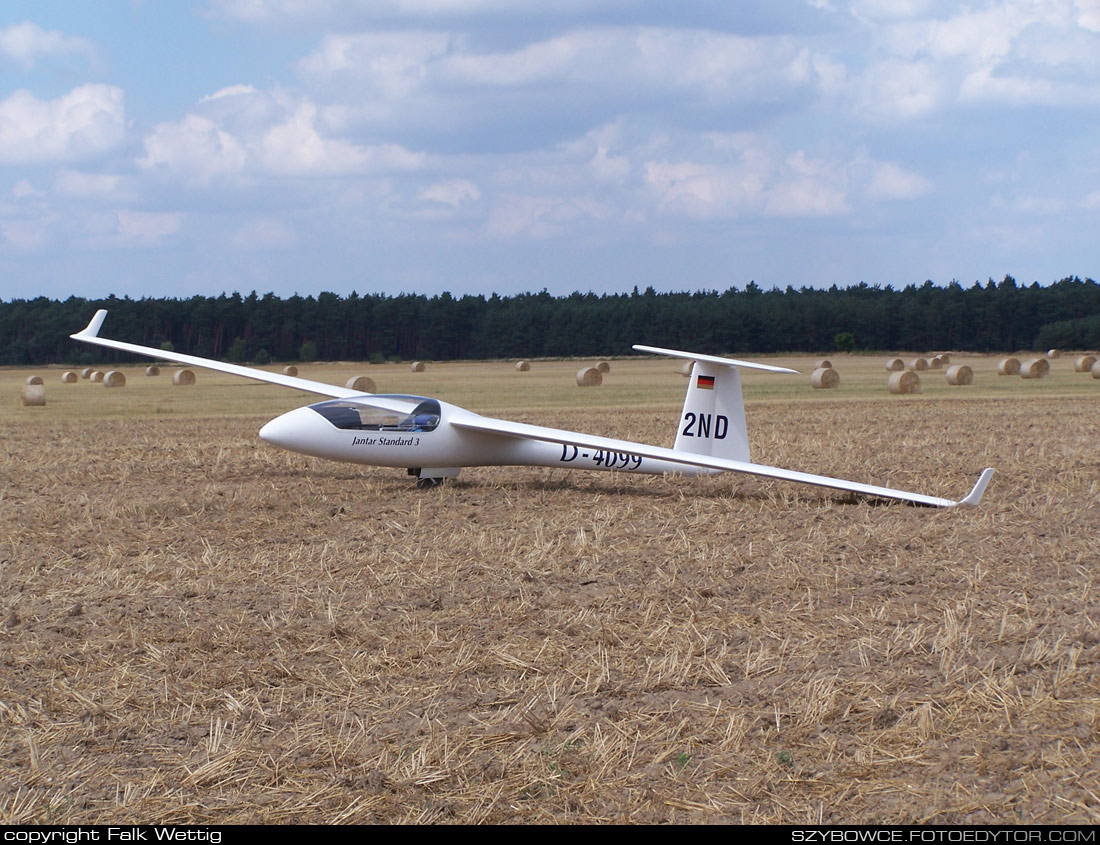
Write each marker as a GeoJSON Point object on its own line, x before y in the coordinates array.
{"type": "Point", "coordinates": [428, 483]}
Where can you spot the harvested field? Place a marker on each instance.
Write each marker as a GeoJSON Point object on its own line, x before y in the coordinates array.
{"type": "Point", "coordinates": [197, 627]}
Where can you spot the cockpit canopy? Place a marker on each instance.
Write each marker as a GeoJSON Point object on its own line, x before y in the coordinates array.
{"type": "Point", "coordinates": [381, 413]}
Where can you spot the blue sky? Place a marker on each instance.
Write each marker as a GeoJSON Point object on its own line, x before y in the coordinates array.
{"type": "Point", "coordinates": [478, 146]}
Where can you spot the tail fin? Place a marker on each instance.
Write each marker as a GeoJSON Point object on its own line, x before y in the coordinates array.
{"type": "Point", "coordinates": [713, 420]}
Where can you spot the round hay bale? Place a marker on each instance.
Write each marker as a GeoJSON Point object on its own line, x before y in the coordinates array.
{"type": "Point", "coordinates": [1034, 368]}
{"type": "Point", "coordinates": [290, 370]}
{"type": "Point", "coordinates": [945, 358]}
{"type": "Point", "coordinates": [35, 380]}
{"type": "Point", "coordinates": [918, 365]}
{"type": "Point", "coordinates": [960, 374]}
{"type": "Point", "coordinates": [152, 370]}
{"type": "Point", "coordinates": [418, 366]}
{"type": "Point", "coordinates": [895, 365]}
{"type": "Point", "coordinates": [32, 394]}
{"type": "Point", "coordinates": [1054, 353]}
{"type": "Point", "coordinates": [363, 384]}
{"type": "Point", "coordinates": [1096, 370]}
{"type": "Point", "coordinates": [935, 363]}
{"type": "Point", "coordinates": [824, 378]}
{"type": "Point", "coordinates": [1084, 363]}
{"type": "Point", "coordinates": [522, 366]}
{"type": "Point", "coordinates": [69, 377]}
{"type": "Point", "coordinates": [685, 370]}
{"type": "Point", "coordinates": [114, 379]}
{"type": "Point", "coordinates": [603, 367]}
{"type": "Point", "coordinates": [183, 377]}
{"type": "Point", "coordinates": [87, 372]}
{"type": "Point", "coordinates": [904, 382]}
{"type": "Point", "coordinates": [1009, 367]}
{"type": "Point", "coordinates": [823, 364]}
{"type": "Point", "coordinates": [97, 375]}
{"type": "Point", "coordinates": [589, 377]}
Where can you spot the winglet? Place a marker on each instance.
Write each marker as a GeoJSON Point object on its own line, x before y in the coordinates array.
{"type": "Point", "coordinates": [92, 329]}
{"type": "Point", "coordinates": [975, 495]}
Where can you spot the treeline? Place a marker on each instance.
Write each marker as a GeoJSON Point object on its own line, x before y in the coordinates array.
{"type": "Point", "coordinates": [997, 316]}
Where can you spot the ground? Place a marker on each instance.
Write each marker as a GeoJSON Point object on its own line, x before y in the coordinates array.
{"type": "Point", "coordinates": [197, 627]}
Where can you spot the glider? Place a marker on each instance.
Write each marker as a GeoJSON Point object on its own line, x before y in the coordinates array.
{"type": "Point", "coordinates": [434, 439]}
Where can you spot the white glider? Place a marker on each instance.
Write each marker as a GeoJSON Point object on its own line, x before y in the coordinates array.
{"type": "Point", "coordinates": [434, 439]}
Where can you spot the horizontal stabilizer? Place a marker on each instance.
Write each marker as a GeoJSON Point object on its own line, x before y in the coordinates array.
{"type": "Point", "coordinates": [714, 359]}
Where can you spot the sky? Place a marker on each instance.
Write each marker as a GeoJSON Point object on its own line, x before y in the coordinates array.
{"type": "Point", "coordinates": [177, 148]}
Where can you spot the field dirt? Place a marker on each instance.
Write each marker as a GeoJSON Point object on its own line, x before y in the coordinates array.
{"type": "Point", "coordinates": [196, 627]}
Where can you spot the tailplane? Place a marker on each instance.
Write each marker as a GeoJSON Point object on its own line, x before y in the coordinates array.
{"type": "Point", "coordinates": [713, 420]}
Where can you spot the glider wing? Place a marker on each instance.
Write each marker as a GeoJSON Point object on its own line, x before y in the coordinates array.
{"type": "Point", "coordinates": [476, 422]}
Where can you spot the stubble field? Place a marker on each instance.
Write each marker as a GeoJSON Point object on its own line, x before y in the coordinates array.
{"type": "Point", "coordinates": [196, 627]}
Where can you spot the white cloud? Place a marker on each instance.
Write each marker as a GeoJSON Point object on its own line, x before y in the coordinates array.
{"type": "Point", "coordinates": [392, 63]}
{"type": "Point", "coordinates": [229, 91]}
{"type": "Point", "coordinates": [264, 234]}
{"type": "Point", "coordinates": [452, 192]}
{"type": "Point", "coordinates": [146, 227]}
{"type": "Point", "coordinates": [277, 11]}
{"type": "Point", "coordinates": [195, 147]}
{"type": "Point", "coordinates": [890, 181]}
{"type": "Point", "coordinates": [94, 186]}
{"type": "Point", "coordinates": [25, 235]}
{"type": "Point", "coordinates": [275, 135]}
{"type": "Point", "coordinates": [1088, 14]}
{"type": "Point", "coordinates": [24, 188]}
{"type": "Point", "coordinates": [25, 43]}
{"type": "Point", "coordinates": [87, 122]}
{"type": "Point", "coordinates": [542, 217]}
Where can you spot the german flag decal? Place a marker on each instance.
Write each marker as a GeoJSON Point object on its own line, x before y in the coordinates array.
{"type": "Point", "coordinates": [705, 382]}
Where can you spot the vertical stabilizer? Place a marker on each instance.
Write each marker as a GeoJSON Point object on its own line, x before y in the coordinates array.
{"type": "Point", "coordinates": [713, 420]}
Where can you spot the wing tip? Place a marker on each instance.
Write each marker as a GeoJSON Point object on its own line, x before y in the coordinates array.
{"type": "Point", "coordinates": [975, 495]}
{"type": "Point", "coordinates": [93, 327]}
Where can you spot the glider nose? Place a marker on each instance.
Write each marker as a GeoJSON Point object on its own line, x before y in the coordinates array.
{"type": "Point", "coordinates": [295, 430]}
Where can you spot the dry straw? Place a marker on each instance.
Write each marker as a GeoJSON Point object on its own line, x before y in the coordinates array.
{"type": "Point", "coordinates": [904, 382]}
{"type": "Point", "coordinates": [183, 377]}
{"type": "Point", "coordinates": [589, 377]}
{"type": "Point", "coordinates": [522, 366]}
{"type": "Point", "coordinates": [1009, 367]}
{"type": "Point", "coordinates": [960, 374]}
{"type": "Point", "coordinates": [152, 370]}
{"type": "Point", "coordinates": [824, 378]}
{"type": "Point", "coordinates": [363, 384]}
{"type": "Point", "coordinates": [418, 366]}
{"type": "Point", "coordinates": [32, 394]}
{"type": "Point", "coordinates": [290, 370]}
{"type": "Point", "coordinates": [69, 377]}
{"type": "Point", "coordinates": [34, 380]}
{"type": "Point", "coordinates": [97, 375]}
{"type": "Point", "coordinates": [1084, 363]}
{"type": "Point", "coordinates": [1034, 368]}
{"type": "Point", "coordinates": [603, 367]}
{"type": "Point", "coordinates": [918, 364]}
{"type": "Point", "coordinates": [114, 379]}
{"type": "Point", "coordinates": [895, 365]}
